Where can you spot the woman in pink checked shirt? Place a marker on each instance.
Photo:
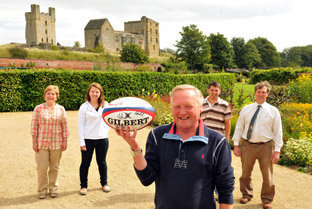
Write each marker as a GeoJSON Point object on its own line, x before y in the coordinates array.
{"type": "Point", "coordinates": [49, 130]}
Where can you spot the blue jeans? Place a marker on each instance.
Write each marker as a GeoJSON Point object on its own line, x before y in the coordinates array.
{"type": "Point", "coordinates": [101, 147]}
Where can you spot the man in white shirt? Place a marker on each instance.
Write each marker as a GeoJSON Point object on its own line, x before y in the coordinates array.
{"type": "Point", "coordinates": [262, 142]}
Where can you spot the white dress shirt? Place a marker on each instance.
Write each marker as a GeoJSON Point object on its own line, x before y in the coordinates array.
{"type": "Point", "coordinates": [90, 123]}
{"type": "Point", "coordinates": [267, 127]}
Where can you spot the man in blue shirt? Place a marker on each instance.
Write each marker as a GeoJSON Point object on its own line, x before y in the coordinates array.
{"type": "Point", "coordinates": [185, 159]}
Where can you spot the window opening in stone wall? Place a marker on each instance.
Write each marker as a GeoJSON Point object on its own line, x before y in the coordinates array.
{"type": "Point", "coordinates": [42, 40]}
{"type": "Point", "coordinates": [123, 40]}
{"type": "Point", "coordinates": [156, 39]}
{"type": "Point", "coordinates": [150, 30]}
{"type": "Point", "coordinates": [154, 47]}
{"type": "Point", "coordinates": [46, 31]}
{"type": "Point", "coordinates": [47, 40]}
{"type": "Point", "coordinates": [151, 39]}
{"type": "Point", "coordinates": [117, 49]}
{"type": "Point", "coordinates": [46, 22]}
{"type": "Point", "coordinates": [156, 31]}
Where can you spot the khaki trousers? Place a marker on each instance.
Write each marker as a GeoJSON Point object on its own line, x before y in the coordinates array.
{"type": "Point", "coordinates": [48, 159]}
{"type": "Point", "coordinates": [262, 153]}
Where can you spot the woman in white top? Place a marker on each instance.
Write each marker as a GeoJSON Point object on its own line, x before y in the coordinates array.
{"type": "Point", "coordinates": [93, 135]}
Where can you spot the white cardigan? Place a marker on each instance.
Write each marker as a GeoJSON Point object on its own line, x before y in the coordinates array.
{"type": "Point", "coordinates": [90, 123]}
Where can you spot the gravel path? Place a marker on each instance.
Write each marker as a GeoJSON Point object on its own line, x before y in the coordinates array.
{"type": "Point", "coordinates": [19, 178]}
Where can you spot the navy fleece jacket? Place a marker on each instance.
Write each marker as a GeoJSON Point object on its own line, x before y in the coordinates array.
{"type": "Point", "coordinates": [186, 173]}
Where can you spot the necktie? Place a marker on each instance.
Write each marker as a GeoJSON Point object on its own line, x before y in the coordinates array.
{"type": "Point", "coordinates": [252, 122]}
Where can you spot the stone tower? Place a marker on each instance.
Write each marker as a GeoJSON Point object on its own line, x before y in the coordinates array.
{"type": "Point", "coordinates": [150, 30]}
{"type": "Point", "coordinates": [40, 27]}
{"type": "Point", "coordinates": [144, 32]}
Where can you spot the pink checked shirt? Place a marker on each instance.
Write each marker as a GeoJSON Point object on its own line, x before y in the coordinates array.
{"type": "Point", "coordinates": [50, 127]}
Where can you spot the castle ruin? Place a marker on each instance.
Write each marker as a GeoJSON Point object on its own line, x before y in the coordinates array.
{"type": "Point", "coordinates": [40, 27]}
{"type": "Point", "coordinates": [144, 32]}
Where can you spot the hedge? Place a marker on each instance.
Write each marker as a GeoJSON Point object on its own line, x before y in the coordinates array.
{"type": "Point", "coordinates": [22, 90]}
{"type": "Point", "coordinates": [276, 75]}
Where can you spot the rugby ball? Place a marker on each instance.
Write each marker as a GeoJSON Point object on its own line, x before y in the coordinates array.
{"type": "Point", "coordinates": [130, 112]}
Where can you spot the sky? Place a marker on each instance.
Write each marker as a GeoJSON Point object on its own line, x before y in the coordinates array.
{"type": "Point", "coordinates": [285, 23]}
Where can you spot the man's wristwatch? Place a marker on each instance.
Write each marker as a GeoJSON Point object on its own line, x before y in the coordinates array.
{"type": "Point", "coordinates": [136, 153]}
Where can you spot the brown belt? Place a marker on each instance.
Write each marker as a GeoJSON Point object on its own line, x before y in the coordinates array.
{"type": "Point", "coordinates": [256, 142]}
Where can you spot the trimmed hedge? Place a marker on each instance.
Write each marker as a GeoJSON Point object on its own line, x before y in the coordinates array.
{"type": "Point", "coordinates": [276, 75]}
{"type": "Point", "coordinates": [22, 90]}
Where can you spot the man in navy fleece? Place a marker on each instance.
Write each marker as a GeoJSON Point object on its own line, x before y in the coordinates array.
{"type": "Point", "coordinates": [185, 158]}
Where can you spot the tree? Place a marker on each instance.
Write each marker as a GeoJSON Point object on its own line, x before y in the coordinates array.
{"type": "Point", "coordinates": [307, 56]}
{"type": "Point", "coordinates": [221, 51]}
{"type": "Point", "coordinates": [77, 44]}
{"type": "Point", "coordinates": [251, 57]}
{"type": "Point", "coordinates": [298, 56]}
{"type": "Point", "coordinates": [269, 55]}
{"type": "Point", "coordinates": [169, 51]}
{"type": "Point", "coordinates": [238, 45]}
{"type": "Point", "coordinates": [291, 57]}
{"type": "Point", "coordinates": [193, 48]}
{"type": "Point", "coordinates": [132, 52]}
{"type": "Point", "coordinates": [245, 55]}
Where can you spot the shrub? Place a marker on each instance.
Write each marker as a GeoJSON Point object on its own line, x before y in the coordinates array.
{"type": "Point", "coordinates": [12, 65]}
{"type": "Point", "coordinates": [73, 84]}
{"type": "Point", "coordinates": [99, 48]}
{"type": "Point", "coordinates": [235, 115]}
{"type": "Point", "coordinates": [278, 95]}
{"type": "Point", "coordinates": [301, 88]}
{"type": "Point", "coordinates": [296, 118]}
{"type": "Point", "coordinates": [143, 68]}
{"type": "Point", "coordinates": [242, 97]}
{"type": "Point", "coordinates": [276, 75]}
{"type": "Point", "coordinates": [30, 64]}
{"type": "Point", "coordinates": [299, 151]}
{"type": "Point", "coordinates": [18, 52]}
{"type": "Point", "coordinates": [172, 67]}
{"type": "Point", "coordinates": [54, 48]}
{"type": "Point", "coordinates": [133, 53]}
{"type": "Point", "coordinates": [162, 107]}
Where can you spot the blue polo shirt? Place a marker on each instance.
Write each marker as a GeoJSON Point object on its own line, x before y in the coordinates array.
{"type": "Point", "coordinates": [186, 173]}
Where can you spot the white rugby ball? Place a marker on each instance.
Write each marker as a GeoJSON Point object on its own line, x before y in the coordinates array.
{"type": "Point", "coordinates": [130, 112]}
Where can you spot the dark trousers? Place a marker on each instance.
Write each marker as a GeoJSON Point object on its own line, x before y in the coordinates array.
{"type": "Point", "coordinates": [101, 147]}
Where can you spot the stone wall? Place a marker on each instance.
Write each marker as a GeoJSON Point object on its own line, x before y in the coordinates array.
{"type": "Point", "coordinates": [144, 32]}
{"type": "Point", "coordinates": [66, 64]}
{"type": "Point", "coordinates": [40, 27]}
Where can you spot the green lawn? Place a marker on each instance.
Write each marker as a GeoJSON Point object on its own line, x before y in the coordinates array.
{"type": "Point", "coordinates": [241, 92]}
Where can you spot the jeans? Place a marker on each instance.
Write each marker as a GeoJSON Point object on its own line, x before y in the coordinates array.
{"type": "Point", "coordinates": [101, 147]}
